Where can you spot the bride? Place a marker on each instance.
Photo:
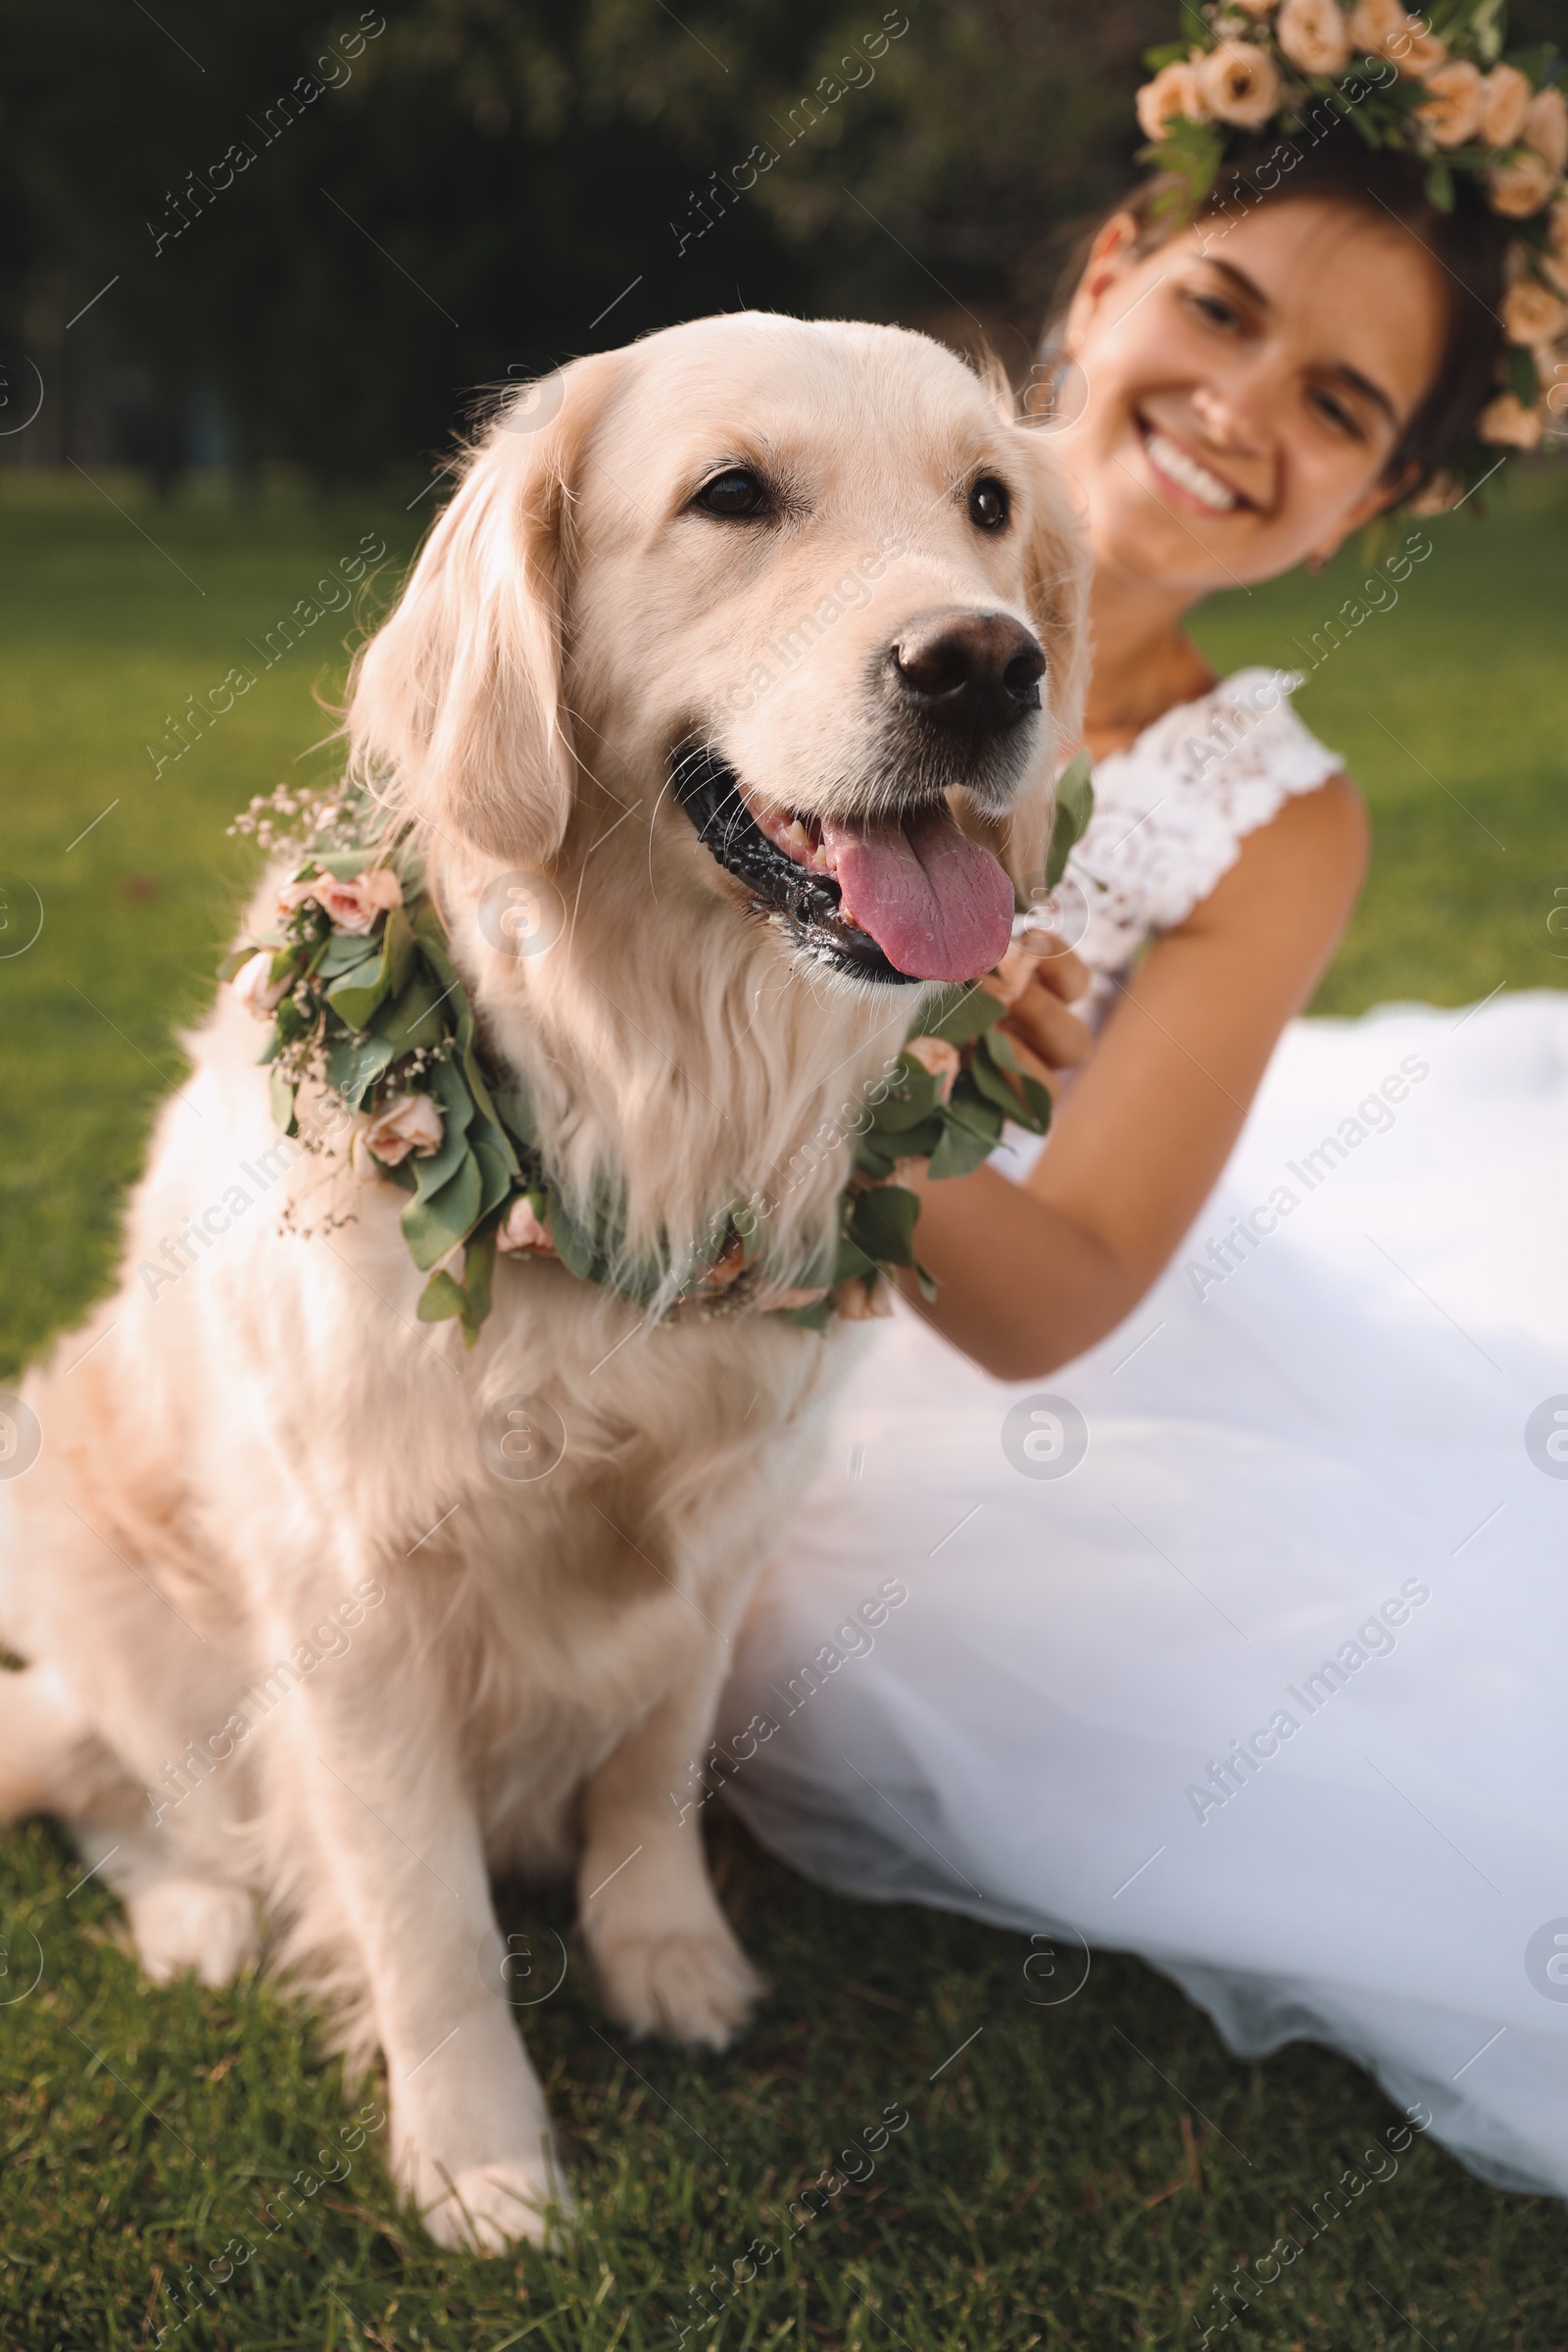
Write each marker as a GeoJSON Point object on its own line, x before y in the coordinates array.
{"type": "Point", "coordinates": [1189, 1578]}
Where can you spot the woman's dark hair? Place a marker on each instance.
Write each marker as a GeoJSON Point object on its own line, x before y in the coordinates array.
{"type": "Point", "coordinates": [1469, 243]}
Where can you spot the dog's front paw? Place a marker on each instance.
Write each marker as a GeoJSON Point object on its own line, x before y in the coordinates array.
{"type": "Point", "coordinates": [198, 1924]}
{"type": "Point", "coordinates": [491, 2206]}
{"type": "Point", "coordinates": [699, 1988]}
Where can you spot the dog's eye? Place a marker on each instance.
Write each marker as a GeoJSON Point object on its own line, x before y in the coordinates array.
{"type": "Point", "coordinates": [989, 506]}
{"type": "Point", "coordinates": [734, 494]}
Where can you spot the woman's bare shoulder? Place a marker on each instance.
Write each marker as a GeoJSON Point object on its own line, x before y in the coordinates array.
{"type": "Point", "coordinates": [1308, 861]}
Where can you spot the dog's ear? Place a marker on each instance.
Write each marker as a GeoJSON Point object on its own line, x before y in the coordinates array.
{"type": "Point", "coordinates": [1056, 591]}
{"type": "Point", "coordinates": [456, 711]}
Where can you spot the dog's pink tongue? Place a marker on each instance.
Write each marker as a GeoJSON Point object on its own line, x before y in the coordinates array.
{"type": "Point", "coordinates": [938, 906]}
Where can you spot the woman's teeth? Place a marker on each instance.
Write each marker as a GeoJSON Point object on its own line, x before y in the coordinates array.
{"type": "Point", "coordinates": [1189, 475]}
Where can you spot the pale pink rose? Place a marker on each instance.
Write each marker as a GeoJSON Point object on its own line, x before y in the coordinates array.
{"type": "Point", "coordinates": [1172, 92]}
{"type": "Point", "coordinates": [726, 1269]}
{"type": "Point", "coordinates": [1506, 423]}
{"type": "Point", "coordinates": [1547, 128]}
{"type": "Point", "coordinates": [255, 989]}
{"type": "Point", "coordinates": [348, 906]}
{"type": "Point", "coordinates": [1253, 8]}
{"type": "Point", "coordinates": [1532, 315]}
{"type": "Point", "coordinates": [1424, 55]}
{"type": "Point", "coordinates": [1505, 96]}
{"type": "Point", "coordinates": [1376, 24]}
{"type": "Point", "coordinates": [521, 1229]}
{"type": "Point", "coordinates": [1315, 35]}
{"type": "Point", "coordinates": [862, 1298]}
{"type": "Point", "coordinates": [1522, 187]}
{"type": "Point", "coordinates": [408, 1123]}
{"type": "Point", "coordinates": [937, 1059]}
{"type": "Point", "coordinates": [1239, 83]}
{"type": "Point", "coordinates": [1452, 111]}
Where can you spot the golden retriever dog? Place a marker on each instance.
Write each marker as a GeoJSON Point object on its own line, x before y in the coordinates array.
{"type": "Point", "coordinates": [715, 641]}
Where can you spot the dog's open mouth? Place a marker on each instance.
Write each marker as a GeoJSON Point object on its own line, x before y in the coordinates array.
{"type": "Point", "coordinates": [894, 898]}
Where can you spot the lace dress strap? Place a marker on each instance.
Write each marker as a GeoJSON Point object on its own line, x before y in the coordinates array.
{"type": "Point", "coordinates": [1172, 811]}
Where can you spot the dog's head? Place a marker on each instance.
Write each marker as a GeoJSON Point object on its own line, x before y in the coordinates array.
{"type": "Point", "coordinates": [795, 593]}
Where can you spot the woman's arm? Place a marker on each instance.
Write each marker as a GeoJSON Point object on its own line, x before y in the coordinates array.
{"type": "Point", "coordinates": [1030, 1274]}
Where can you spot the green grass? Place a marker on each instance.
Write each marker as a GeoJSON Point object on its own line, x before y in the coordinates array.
{"type": "Point", "coordinates": [1452, 710]}
{"type": "Point", "coordinates": [1022, 2202]}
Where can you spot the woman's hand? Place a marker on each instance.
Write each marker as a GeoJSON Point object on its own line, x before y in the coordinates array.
{"type": "Point", "coordinates": [1030, 1274]}
{"type": "Point", "coordinates": [1038, 980]}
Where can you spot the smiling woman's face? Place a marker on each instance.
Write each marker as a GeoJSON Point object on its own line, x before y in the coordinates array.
{"type": "Point", "coordinates": [1242, 405]}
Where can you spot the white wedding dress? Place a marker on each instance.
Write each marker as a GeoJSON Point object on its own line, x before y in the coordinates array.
{"type": "Point", "coordinates": [1242, 1641]}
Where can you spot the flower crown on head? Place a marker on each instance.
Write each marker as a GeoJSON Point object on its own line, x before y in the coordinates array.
{"type": "Point", "coordinates": [1436, 86]}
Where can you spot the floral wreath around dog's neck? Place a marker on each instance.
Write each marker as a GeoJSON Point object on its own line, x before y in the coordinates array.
{"type": "Point", "coordinates": [1436, 86]}
{"type": "Point", "coordinates": [363, 1001]}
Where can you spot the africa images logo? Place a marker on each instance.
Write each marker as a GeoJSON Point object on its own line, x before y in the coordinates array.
{"type": "Point", "coordinates": [1045, 1437]}
{"type": "Point", "coordinates": [1546, 1437]}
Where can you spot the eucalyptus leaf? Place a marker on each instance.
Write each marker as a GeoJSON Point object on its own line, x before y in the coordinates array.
{"type": "Point", "coordinates": [1038, 1098]}
{"type": "Point", "coordinates": [911, 1098]}
{"type": "Point", "coordinates": [440, 1166]}
{"type": "Point", "coordinates": [412, 1019]}
{"type": "Point", "coordinates": [440, 1298]}
{"type": "Point", "coordinates": [434, 1223]}
{"type": "Point", "coordinates": [495, 1176]}
{"type": "Point", "coordinates": [961, 1013]}
{"type": "Point", "coordinates": [283, 1093]}
{"type": "Point", "coordinates": [851, 1259]}
{"type": "Point", "coordinates": [344, 864]}
{"type": "Point", "coordinates": [809, 1318]}
{"type": "Point", "coordinates": [515, 1113]}
{"type": "Point", "coordinates": [968, 1142]}
{"type": "Point", "coordinates": [355, 997]}
{"type": "Point", "coordinates": [1075, 805]}
{"type": "Point", "coordinates": [341, 952]}
{"type": "Point", "coordinates": [399, 949]}
{"type": "Point", "coordinates": [878, 1155]}
{"type": "Point", "coordinates": [882, 1223]}
{"type": "Point", "coordinates": [354, 1063]}
{"type": "Point", "coordinates": [573, 1246]}
{"type": "Point", "coordinates": [478, 1269]}
{"type": "Point", "coordinates": [989, 1082]}
{"type": "Point", "coordinates": [445, 1082]}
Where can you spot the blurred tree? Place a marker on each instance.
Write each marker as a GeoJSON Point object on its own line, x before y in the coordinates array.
{"type": "Point", "coordinates": [273, 231]}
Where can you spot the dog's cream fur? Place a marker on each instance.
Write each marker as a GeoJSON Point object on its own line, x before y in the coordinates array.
{"type": "Point", "coordinates": [229, 1454]}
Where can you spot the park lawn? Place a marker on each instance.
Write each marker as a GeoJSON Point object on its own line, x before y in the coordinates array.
{"type": "Point", "coordinates": [1080, 2174]}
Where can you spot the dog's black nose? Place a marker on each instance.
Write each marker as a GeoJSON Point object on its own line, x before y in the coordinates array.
{"type": "Point", "coordinates": [976, 672]}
